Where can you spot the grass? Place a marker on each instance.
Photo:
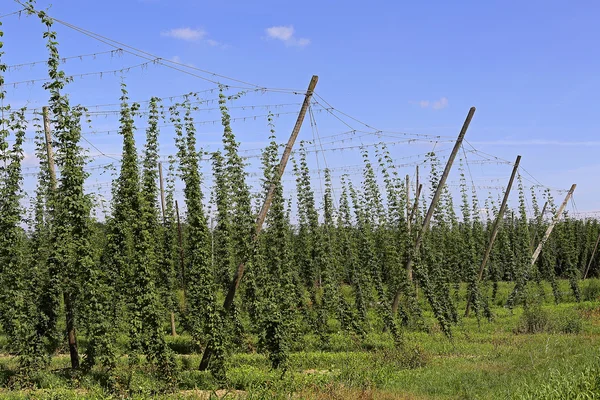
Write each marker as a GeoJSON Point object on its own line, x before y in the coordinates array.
{"type": "Point", "coordinates": [504, 358]}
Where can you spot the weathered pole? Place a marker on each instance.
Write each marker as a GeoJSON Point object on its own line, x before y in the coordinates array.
{"type": "Point", "coordinates": [537, 251]}
{"type": "Point", "coordinates": [181, 259]}
{"type": "Point", "coordinates": [434, 201]}
{"type": "Point", "coordinates": [440, 187]}
{"type": "Point", "coordinates": [417, 176]}
{"type": "Point", "coordinates": [495, 229]}
{"type": "Point", "coordinates": [49, 152]}
{"type": "Point", "coordinates": [260, 219]}
{"type": "Point", "coordinates": [408, 203]}
{"type": "Point", "coordinates": [413, 213]}
{"type": "Point", "coordinates": [418, 187]}
{"type": "Point", "coordinates": [539, 222]}
{"type": "Point", "coordinates": [69, 310]}
{"type": "Point", "coordinates": [592, 257]}
{"type": "Point", "coordinates": [416, 205]}
{"type": "Point", "coordinates": [162, 191]}
{"type": "Point", "coordinates": [163, 208]}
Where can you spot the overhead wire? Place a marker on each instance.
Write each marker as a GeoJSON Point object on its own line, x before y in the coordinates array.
{"type": "Point", "coordinates": [144, 54]}
{"type": "Point", "coordinates": [12, 13]}
{"type": "Point", "coordinates": [97, 149]}
{"type": "Point", "coordinates": [82, 75]}
{"type": "Point", "coordinates": [14, 67]}
{"type": "Point", "coordinates": [318, 143]}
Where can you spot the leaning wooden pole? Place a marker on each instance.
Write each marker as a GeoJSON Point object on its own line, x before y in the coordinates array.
{"type": "Point", "coordinates": [537, 251]}
{"type": "Point", "coordinates": [412, 217]}
{"type": "Point", "coordinates": [262, 215]}
{"type": "Point", "coordinates": [418, 187]}
{"type": "Point", "coordinates": [69, 309]}
{"type": "Point", "coordinates": [434, 201]}
{"type": "Point", "coordinates": [539, 223]}
{"type": "Point", "coordinates": [495, 229]}
{"type": "Point", "coordinates": [591, 258]}
{"type": "Point", "coordinates": [164, 216]}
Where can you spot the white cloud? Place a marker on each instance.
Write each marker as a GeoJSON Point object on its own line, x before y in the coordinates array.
{"type": "Point", "coordinates": [281, 32]}
{"type": "Point", "coordinates": [439, 104]}
{"type": "Point", "coordinates": [286, 35]}
{"type": "Point", "coordinates": [303, 42]}
{"type": "Point", "coordinates": [188, 34]}
{"type": "Point", "coordinates": [193, 35]}
{"type": "Point", "coordinates": [435, 105]}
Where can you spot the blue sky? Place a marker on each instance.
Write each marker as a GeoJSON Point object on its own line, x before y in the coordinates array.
{"type": "Point", "coordinates": [530, 68]}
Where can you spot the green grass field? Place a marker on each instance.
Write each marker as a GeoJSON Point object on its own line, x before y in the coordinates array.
{"type": "Point", "coordinates": [500, 359]}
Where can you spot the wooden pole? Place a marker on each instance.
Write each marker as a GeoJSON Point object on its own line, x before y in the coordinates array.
{"type": "Point", "coordinates": [591, 258]}
{"type": "Point", "coordinates": [408, 204]}
{"type": "Point", "coordinates": [69, 310]}
{"type": "Point", "coordinates": [442, 183]}
{"type": "Point", "coordinates": [434, 201]}
{"type": "Point", "coordinates": [162, 191]}
{"type": "Point", "coordinates": [418, 188]}
{"type": "Point", "coordinates": [413, 213]}
{"type": "Point", "coordinates": [495, 229]}
{"type": "Point", "coordinates": [536, 254]}
{"type": "Point", "coordinates": [181, 259]}
{"type": "Point", "coordinates": [260, 219]}
{"type": "Point", "coordinates": [415, 207]}
{"type": "Point", "coordinates": [163, 208]}
{"type": "Point", "coordinates": [49, 152]}
{"type": "Point", "coordinates": [417, 176]}
{"type": "Point", "coordinates": [408, 219]}
{"type": "Point", "coordinates": [539, 222]}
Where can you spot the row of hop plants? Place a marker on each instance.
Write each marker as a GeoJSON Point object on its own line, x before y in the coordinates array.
{"type": "Point", "coordinates": [340, 266]}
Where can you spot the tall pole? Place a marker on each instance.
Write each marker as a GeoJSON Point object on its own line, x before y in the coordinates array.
{"type": "Point", "coordinates": [408, 203]}
{"type": "Point", "coordinates": [408, 217]}
{"type": "Point", "coordinates": [539, 222]}
{"type": "Point", "coordinates": [162, 191]}
{"type": "Point", "coordinates": [417, 176]}
{"type": "Point", "coordinates": [495, 229]}
{"type": "Point", "coordinates": [416, 205]}
{"type": "Point", "coordinates": [434, 201]}
{"type": "Point", "coordinates": [49, 152]}
{"type": "Point", "coordinates": [163, 208]}
{"type": "Point", "coordinates": [181, 260]}
{"type": "Point", "coordinates": [260, 219]}
{"type": "Point", "coordinates": [592, 257]}
{"type": "Point", "coordinates": [69, 309]}
{"type": "Point", "coordinates": [442, 183]}
{"type": "Point", "coordinates": [418, 187]}
{"type": "Point", "coordinates": [537, 251]}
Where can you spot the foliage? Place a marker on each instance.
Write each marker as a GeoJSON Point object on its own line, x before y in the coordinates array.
{"type": "Point", "coordinates": [333, 271]}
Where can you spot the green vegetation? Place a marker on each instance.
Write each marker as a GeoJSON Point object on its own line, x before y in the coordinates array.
{"type": "Point", "coordinates": [329, 307]}
{"type": "Point", "coordinates": [484, 360]}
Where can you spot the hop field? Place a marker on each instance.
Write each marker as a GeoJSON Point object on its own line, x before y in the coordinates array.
{"type": "Point", "coordinates": [196, 281]}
